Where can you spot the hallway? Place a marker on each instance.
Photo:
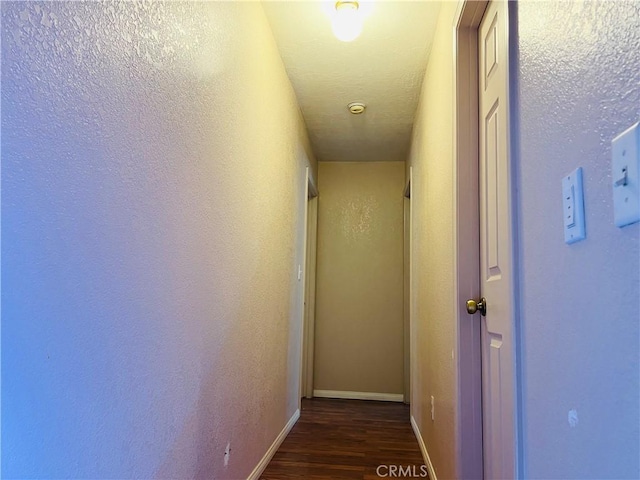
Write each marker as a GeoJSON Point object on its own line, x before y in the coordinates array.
{"type": "Point", "coordinates": [158, 160]}
{"type": "Point", "coordinates": [348, 439]}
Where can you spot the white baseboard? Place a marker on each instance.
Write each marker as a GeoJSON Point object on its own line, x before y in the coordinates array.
{"type": "Point", "coordinates": [382, 397]}
{"type": "Point", "coordinates": [423, 449]}
{"type": "Point", "coordinates": [255, 475]}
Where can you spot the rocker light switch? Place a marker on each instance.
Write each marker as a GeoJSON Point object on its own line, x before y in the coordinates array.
{"type": "Point", "coordinates": [625, 164]}
{"type": "Point", "coordinates": [573, 207]}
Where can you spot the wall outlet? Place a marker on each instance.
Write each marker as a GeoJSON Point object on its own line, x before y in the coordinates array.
{"type": "Point", "coordinates": [433, 408]}
{"type": "Point", "coordinates": [572, 417]}
{"type": "Point", "coordinates": [227, 454]}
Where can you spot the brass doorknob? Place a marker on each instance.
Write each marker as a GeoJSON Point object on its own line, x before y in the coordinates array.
{"type": "Point", "coordinates": [473, 306]}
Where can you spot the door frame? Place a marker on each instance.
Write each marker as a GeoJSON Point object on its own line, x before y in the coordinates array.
{"type": "Point", "coordinates": [406, 300]}
{"type": "Point", "coordinates": [309, 286]}
{"type": "Point", "coordinates": [466, 143]}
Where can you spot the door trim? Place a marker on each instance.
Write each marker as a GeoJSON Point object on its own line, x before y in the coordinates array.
{"type": "Point", "coordinates": [309, 287]}
{"type": "Point", "coordinates": [467, 20]}
{"type": "Point", "coordinates": [467, 237]}
{"type": "Point", "coordinates": [406, 294]}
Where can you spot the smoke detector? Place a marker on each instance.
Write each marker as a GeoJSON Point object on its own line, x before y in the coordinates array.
{"type": "Point", "coordinates": [356, 108]}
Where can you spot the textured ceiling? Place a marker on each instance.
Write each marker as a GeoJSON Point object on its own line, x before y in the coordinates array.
{"type": "Point", "coordinates": [382, 68]}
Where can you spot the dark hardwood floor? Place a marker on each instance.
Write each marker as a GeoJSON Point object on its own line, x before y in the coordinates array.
{"type": "Point", "coordinates": [348, 439]}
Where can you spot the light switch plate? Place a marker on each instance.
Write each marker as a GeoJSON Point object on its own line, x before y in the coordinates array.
{"type": "Point", "coordinates": [573, 207]}
{"type": "Point", "coordinates": [625, 164]}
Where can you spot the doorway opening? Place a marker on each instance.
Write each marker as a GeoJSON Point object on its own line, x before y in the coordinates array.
{"type": "Point", "coordinates": [407, 332]}
{"type": "Point", "coordinates": [309, 287]}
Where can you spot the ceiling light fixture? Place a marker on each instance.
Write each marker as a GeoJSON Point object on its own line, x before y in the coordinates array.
{"type": "Point", "coordinates": [347, 21]}
{"type": "Point", "coordinates": [356, 108]}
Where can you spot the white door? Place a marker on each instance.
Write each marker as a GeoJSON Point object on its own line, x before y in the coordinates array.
{"type": "Point", "coordinates": [496, 275]}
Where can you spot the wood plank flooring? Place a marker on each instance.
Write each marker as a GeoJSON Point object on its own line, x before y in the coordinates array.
{"type": "Point", "coordinates": [347, 439]}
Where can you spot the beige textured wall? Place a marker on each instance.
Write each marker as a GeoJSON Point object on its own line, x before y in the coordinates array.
{"type": "Point", "coordinates": [433, 248]}
{"type": "Point", "coordinates": [359, 343]}
{"type": "Point", "coordinates": [153, 166]}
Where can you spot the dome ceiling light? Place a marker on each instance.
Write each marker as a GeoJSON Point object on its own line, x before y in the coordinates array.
{"type": "Point", "coordinates": [347, 21]}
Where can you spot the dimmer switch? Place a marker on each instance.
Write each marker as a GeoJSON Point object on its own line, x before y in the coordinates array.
{"type": "Point", "coordinates": [573, 206]}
